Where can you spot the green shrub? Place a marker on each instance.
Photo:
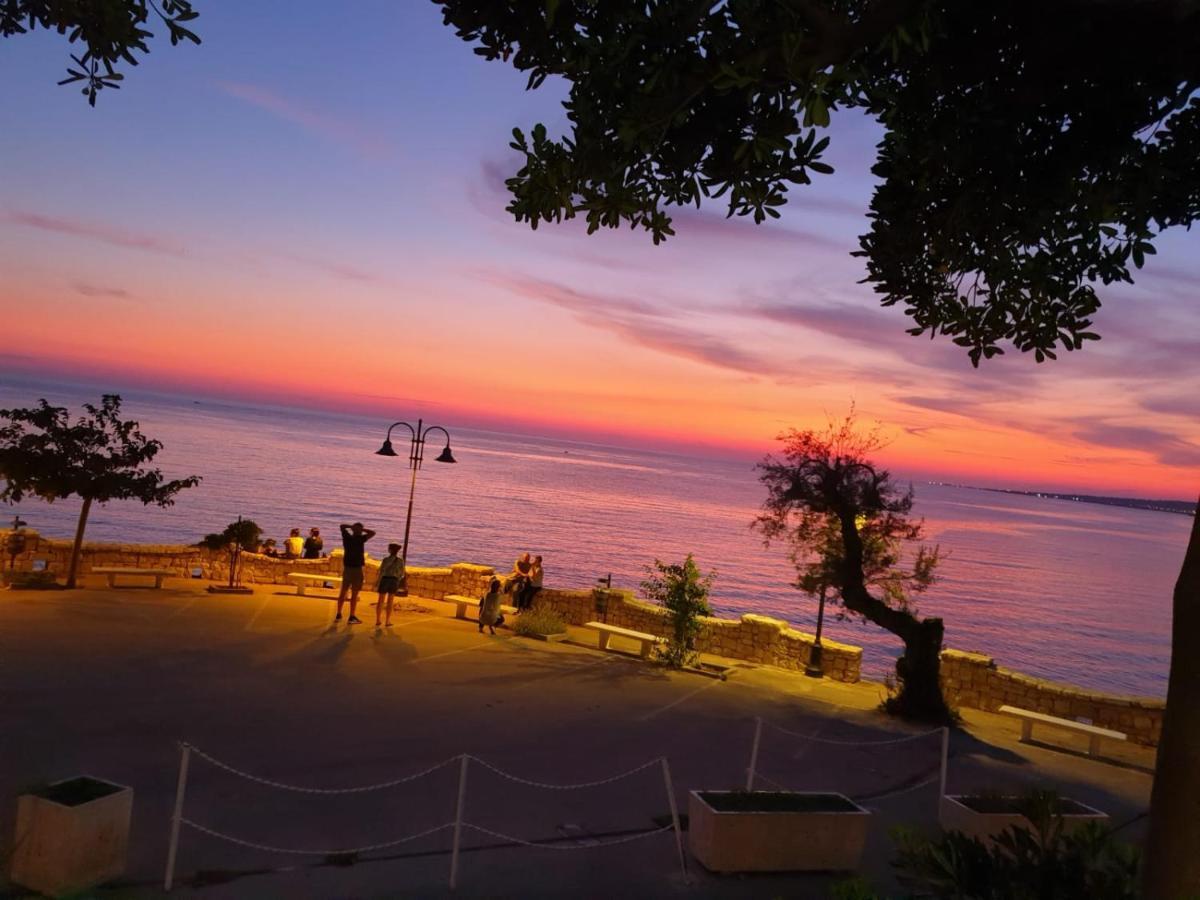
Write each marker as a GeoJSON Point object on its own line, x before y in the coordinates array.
{"type": "Point", "coordinates": [539, 620]}
{"type": "Point", "coordinates": [244, 532]}
{"type": "Point", "coordinates": [684, 592]}
{"type": "Point", "coordinates": [1042, 862]}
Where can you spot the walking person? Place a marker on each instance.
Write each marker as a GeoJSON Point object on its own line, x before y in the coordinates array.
{"type": "Point", "coordinates": [391, 582]}
{"type": "Point", "coordinates": [489, 608]}
{"type": "Point", "coordinates": [354, 542]}
{"type": "Point", "coordinates": [313, 544]}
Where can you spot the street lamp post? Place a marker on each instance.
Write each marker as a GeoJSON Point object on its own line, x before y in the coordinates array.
{"type": "Point", "coordinates": [814, 668]}
{"type": "Point", "coordinates": [416, 455]}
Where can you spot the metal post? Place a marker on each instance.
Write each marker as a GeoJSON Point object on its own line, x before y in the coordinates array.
{"type": "Point", "coordinates": [185, 753]}
{"type": "Point", "coordinates": [458, 817]}
{"type": "Point", "coordinates": [754, 753]}
{"type": "Point", "coordinates": [408, 519]}
{"type": "Point", "coordinates": [945, 762]}
{"type": "Point", "coordinates": [675, 819]}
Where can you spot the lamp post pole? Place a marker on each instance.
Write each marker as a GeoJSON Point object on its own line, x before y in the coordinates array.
{"type": "Point", "coordinates": [416, 456]}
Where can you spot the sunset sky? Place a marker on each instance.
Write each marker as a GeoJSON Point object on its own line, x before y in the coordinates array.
{"type": "Point", "coordinates": [310, 209]}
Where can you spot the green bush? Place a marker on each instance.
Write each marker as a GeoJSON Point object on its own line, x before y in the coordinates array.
{"type": "Point", "coordinates": [244, 532]}
{"type": "Point", "coordinates": [539, 620]}
{"type": "Point", "coordinates": [1040, 862]}
{"type": "Point", "coordinates": [684, 592]}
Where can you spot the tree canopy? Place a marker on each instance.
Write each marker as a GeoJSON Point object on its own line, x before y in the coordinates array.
{"type": "Point", "coordinates": [111, 32]}
{"type": "Point", "coordinates": [99, 457]}
{"type": "Point", "coordinates": [847, 524]}
{"type": "Point", "coordinates": [1031, 152]}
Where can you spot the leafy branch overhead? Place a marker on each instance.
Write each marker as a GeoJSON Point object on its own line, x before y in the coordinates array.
{"type": "Point", "coordinates": [110, 31]}
{"type": "Point", "coordinates": [1031, 151]}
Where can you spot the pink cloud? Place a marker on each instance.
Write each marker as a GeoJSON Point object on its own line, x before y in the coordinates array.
{"type": "Point", "coordinates": [105, 234]}
{"type": "Point", "coordinates": [331, 127]}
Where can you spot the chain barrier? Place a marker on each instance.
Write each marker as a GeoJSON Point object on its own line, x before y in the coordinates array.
{"type": "Point", "coordinates": [840, 743]}
{"type": "Point", "coordinates": [341, 852]}
{"type": "Point", "coordinates": [545, 846]}
{"type": "Point", "coordinates": [564, 787]}
{"type": "Point", "coordinates": [366, 788]}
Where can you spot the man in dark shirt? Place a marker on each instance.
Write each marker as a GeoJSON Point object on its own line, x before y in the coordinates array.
{"type": "Point", "coordinates": [313, 544]}
{"type": "Point", "coordinates": [354, 541]}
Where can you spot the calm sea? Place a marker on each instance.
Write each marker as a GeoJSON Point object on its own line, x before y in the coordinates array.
{"type": "Point", "coordinates": [1068, 591]}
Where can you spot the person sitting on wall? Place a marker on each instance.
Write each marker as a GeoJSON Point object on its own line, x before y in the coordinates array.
{"type": "Point", "coordinates": [268, 548]}
{"type": "Point", "coordinates": [532, 586]}
{"type": "Point", "coordinates": [518, 579]}
{"type": "Point", "coordinates": [313, 544]}
{"type": "Point", "coordinates": [293, 546]}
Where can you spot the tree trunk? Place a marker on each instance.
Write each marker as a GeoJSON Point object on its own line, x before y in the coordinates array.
{"type": "Point", "coordinates": [1173, 846]}
{"type": "Point", "coordinates": [83, 514]}
{"type": "Point", "coordinates": [919, 673]}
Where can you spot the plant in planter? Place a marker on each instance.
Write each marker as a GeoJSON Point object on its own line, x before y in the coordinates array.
{"type": "Point", "coordinates": [1044, 857]}
{"type": "Point", "coordinates": [239, 536]}
{"type": "Point", "coordinates": [71, 835]}
{"type": "Point", "coordinates": [775, 831]}
{"type": "Point", "coordinates": [540, 623]}
{"type": "Point", "coordinates": [683, 591]}
{"type": "Point", "coordinates": [986, 816]}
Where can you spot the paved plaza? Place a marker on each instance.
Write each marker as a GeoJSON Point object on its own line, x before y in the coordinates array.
{"type": "Point", "coordinates": [109, 682]}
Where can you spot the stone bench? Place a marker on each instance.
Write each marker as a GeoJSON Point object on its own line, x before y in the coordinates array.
{"type": "Point", "coordinates": [1029, 718]}
{"type": "Point", "coordinates": [303, 581]}
{"type": "Point", "coordinates": [606, 633]}
{"type": "Point", "coordinates": [113, 571]}
{"type": "Point", "coordinates": [463, 603]}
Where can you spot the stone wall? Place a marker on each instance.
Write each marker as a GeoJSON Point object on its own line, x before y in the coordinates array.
{"type": "Point", "coordinates": [754, 638]}
{"type": "Point", "coordinates": [975, 681]}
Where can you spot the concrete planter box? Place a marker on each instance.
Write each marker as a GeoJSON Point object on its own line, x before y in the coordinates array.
{"type": "Point", "coordinates": [984, 817]}
{"type": "Point", "coordinates": [71, 835]}
{"type": "Point", "coordinates": [776, 831]}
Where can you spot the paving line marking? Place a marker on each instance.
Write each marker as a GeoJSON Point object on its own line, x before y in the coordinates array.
{"type": "Point", "coordinates": [183, 608]}
{"type": "Point", "coordinates": [254, 618]}
{"type": "Point", "coordinates": [689, 695]}
{"type": "Point", "coordinates": [455, 652]}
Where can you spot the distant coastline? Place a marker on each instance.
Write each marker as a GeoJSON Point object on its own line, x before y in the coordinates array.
{"type": "Point", "coordinates": [1179, 507]}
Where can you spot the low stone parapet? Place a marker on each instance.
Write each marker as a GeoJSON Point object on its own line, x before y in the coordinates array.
{"type": "Point", "coordinates": [975, 681]}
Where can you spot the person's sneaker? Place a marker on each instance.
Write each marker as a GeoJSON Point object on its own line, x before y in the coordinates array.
{"type": "Point", "coordinates": [354, 620]}
{"type": "Point", "coordinates": [338, 617]}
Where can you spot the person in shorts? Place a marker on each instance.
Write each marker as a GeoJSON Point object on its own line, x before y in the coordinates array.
{"type": "Point", "coordinates": [354, 543]}
{"type": "Point", "coordinates": [391, 582]}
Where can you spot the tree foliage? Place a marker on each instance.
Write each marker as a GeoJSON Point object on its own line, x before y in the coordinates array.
{"type": "Point", "coordinates": [1031, 152]}
{"type": "Point", "coordinates": [111, 32]}
{"type": "Point", "coordinates": [683, 590]}
{"type": "Point", "coordinates": [244, 533]}
{"type": "Point", "coordinates": [847, 527]}
{"type": "Point", "coordinates": [99, 457]}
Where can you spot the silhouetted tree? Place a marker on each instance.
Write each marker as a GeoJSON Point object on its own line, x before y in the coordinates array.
{"type": "Point", "coordinates": [1031, 151]}
{"type": "Point", "coordinates": [111, 32]}
{"type": "Point", "coordinates": [99, 458]}
{"type": "Point", "coordinates": [848, 524]}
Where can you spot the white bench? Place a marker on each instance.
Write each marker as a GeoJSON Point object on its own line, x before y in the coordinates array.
{"type": "Point", "coordinates": [113, 571]}
{"type": "Point", "coordinates": [303, 581]}
{"type": "Point", "coordinates": [1029, 718]}
{"type": "Point", "coordinates": [606, 632]}
{"type": "Point", "coordinates": [462, 604]}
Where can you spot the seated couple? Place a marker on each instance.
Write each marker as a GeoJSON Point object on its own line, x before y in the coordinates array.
{"type": "Point", "coordinates": [524, 581]}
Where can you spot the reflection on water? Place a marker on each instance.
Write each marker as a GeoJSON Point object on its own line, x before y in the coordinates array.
{"type": "Point", "coordinates": [1063, 590]}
